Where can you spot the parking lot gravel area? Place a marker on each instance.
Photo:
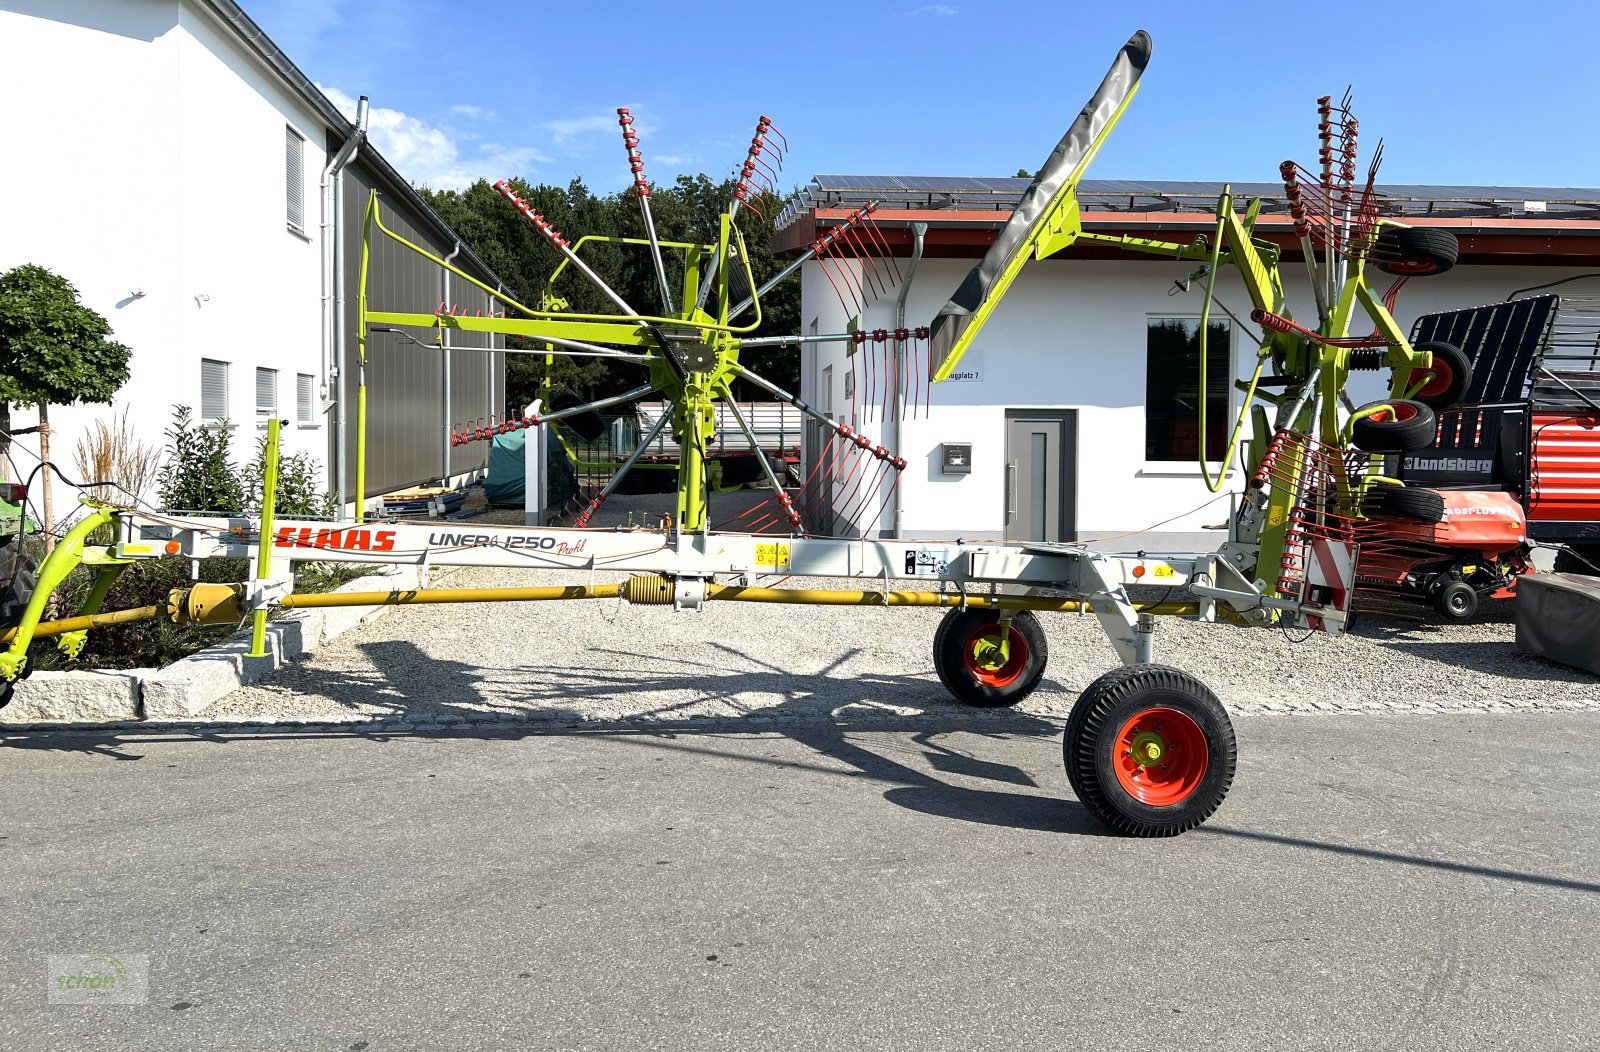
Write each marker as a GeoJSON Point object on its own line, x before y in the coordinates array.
{"type": "Point", "coordinates": [608, 660]}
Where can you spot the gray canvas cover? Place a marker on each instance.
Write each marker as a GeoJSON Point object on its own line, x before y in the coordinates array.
{"type": "Point", "coordinates": [1558, 617]}
{"type": "Point", "coordinates": [1064, 163]}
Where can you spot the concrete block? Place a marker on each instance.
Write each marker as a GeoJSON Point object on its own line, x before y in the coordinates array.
{"type": "Point", "coordinates": [75, 697]}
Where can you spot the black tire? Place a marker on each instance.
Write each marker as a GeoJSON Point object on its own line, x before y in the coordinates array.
{"type": "Point", "coordinates": [959, 652]}
{"type": "Point", "coordinates": [1452, 375]}
{"type": "Point", "coordinates": [1416, 252]}
{"type": "Point", "coordinates": [19, 573]}
{"type": "Point", "coordinates": [1571, 560]}
{"type": "Point", "coordinates": [1412, 502]}
{"type": "Point", "coordinates": [1116, 702]}
{"type": "Point", "coordinates": [1456, 601]}
{"type": "Point", "coordinates": [1411, 427]}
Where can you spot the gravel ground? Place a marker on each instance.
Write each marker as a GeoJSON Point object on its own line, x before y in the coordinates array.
{"type": "Point", "coordinates": [608, 660]}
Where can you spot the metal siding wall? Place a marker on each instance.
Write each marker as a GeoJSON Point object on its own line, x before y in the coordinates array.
{"type": "Point", "coordinates": [406, 422]}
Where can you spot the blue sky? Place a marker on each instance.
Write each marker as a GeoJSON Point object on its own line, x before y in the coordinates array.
{"type": "Point", "coordinates": [1467, 92]}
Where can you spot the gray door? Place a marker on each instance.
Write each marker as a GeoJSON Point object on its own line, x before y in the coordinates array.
{"type": "Point", "coordinates": [1041, 462]}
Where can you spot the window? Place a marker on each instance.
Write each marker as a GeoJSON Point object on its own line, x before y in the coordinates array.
{"type": "Point", "coordinates": [1172, 389]}
{"type": "Point", "coordinates": [306, 398]}
{"type": "Point", "coordinates": [213, 390]}
{"type": "Point", "coordinates": [266, 395]}
{"type": "Point", "coordinates": [295, 179]}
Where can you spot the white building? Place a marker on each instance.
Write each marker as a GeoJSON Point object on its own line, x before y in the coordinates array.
{"type": "Point", "coordinates": [1071, 383]}
{"type": "Point", "coordinates": [167, 159]}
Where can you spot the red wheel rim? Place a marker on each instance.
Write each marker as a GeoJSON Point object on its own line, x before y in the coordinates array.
{"type": "Point", "coordinates": [1410, 266]}
{"type": "Point", "coordinates": [983, 660]}
{"type": "Point", "coordinates": [1161, 757]}
{"type": "Point", "coordinates": [1402, 411]}
{"type": "Point", "coordinates": [1443, 377]}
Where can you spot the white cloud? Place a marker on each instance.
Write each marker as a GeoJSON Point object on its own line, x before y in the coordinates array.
{"type": "Point", "coordinates": [943, 10]}
{"type": "Point", "coordinates": [475, 113]}
{"type": "Point", "coordinates": [429, 155]}
{"type": "Point", "coordinates": [563, 132]}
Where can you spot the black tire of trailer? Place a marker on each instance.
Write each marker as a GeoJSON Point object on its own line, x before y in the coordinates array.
{"type": "Point", "coordinates": [1413, 502]}
{"type": "Point", "coordinates": [1409, 428]}
{"type": "Point", "coordinates": [19, 573]}
{"type": "Point", "coordinates": [1452, 375]}
{"type": "Point", "coordinates": [1571, 559]}
{"type": "Point", "coordinates": [1456, 601]}
{"type": "Point", "coordinates": [960, 656]}
{"type": "Point", "coordinates": [1185, 721]}
{"type": "Point", "coordinates": [1415, 252]}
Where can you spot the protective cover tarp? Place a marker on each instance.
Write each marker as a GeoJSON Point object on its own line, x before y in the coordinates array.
{"type": "Point", "coordinates": [1558, 617]}
{"type": "Point", "coordinates": [506, 483]}
{"type": "Point", "coordinates": [1057, 172]}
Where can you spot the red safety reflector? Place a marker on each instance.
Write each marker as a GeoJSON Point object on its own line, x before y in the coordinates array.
{"type": "Point", "coordinates": [15, 492]}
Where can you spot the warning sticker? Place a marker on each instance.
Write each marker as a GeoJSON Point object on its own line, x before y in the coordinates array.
{"type": "Point", "coordinates": [1162, 570]}
{"type": "Point", "coordinates": [773, 555]}
{"type": "Point", "coordinates": [927, 562]}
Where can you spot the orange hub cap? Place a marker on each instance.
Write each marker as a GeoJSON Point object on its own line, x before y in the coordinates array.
{"type": "Point", "coordinates": [1161, 757]}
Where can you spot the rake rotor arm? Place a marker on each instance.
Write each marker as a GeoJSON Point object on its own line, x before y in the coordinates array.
{"type": "Point", "coordinates": [766, 468]}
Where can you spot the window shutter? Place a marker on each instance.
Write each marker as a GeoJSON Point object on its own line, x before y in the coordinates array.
{"type": "Point", "coordinates": [294, 178]}
{"type": "Point", "coordinates": [266, 392]}
{"type": "Point", "coordinates": [213, 389]}
{"type": "Point", "coordinates": [307, 398]}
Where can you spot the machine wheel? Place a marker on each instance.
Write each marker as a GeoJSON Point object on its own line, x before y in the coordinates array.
{"type": "Point", "coordinates": [19, 572]}
{"type": "Point", "coordinates": [1149, 750]}
{"type": "Point", "coordinates": [973, 669]}
{"type": "Point", "coordinates": [1415, 252]}
{"type": "Point", "coordinates": [1570, 560]}
{"type": "Point", "coordinates": [1413, 502]}
{"type": "Point", "coordinates": [1409, 428]}
{"type": "Point", "coordinates": [1456, 601]}
{"type": "Point", "coordinates": [1452, 375]}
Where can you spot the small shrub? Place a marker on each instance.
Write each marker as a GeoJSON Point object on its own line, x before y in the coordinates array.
{"type": "Point", "coordinates": [198, 475]}
{"type": "Point", "coordinates": [300, 494]}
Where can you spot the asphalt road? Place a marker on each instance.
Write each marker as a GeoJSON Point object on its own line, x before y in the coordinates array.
{"type": "Point", "coordinates": [1372, 882]}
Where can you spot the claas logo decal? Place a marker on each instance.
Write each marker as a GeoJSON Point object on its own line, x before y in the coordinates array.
{"type": "Point", "coordinates": [345, 540]}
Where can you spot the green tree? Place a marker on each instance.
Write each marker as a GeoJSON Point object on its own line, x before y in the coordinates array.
{"type": "Point", "coordinates": [53, 351]}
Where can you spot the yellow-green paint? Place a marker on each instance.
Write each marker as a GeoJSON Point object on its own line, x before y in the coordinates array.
{"type": "Point", "coordinates": [269, 508]}
{"type": "Point", "coordinates": [60, 561]}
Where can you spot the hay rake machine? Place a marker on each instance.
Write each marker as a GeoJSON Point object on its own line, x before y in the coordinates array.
{"type": "Point", "coordinates": [1148, 748]}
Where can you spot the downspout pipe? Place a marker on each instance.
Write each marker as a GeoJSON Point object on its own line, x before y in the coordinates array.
{"type": "Point", "coordinates": [919, 232]}
{"type": "Point", "coordinates": [333, 249]}
{"type": "Point", "coordinates": [446, 430]}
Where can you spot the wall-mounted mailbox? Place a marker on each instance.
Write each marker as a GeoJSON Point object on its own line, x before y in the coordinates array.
{"type": "Point", "coordinates": [955, 458]}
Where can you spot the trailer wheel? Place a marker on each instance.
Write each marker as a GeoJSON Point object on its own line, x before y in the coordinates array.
{"type": "Point", "coordinates": [1410, 427]}
{"type": "Point", "coordinates": [1413, 502]}
{"type": "Point", "coordinates": [1456, 601]}
{"type": "Point", "coordinates": [1149, 750]}
{"type": "Point", "coordinates": [974, 667]}
{"type": "Point", "coordinates": [1415, 252]}
{"type": "Point", "coordinates": [1572, 560]}
{"type": "Point", "coordinates": [19, 573]}
{"type": "Point", "coordinates": [1452, 375]}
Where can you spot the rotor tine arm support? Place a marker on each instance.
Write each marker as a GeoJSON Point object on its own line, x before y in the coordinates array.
{"type": "Point", "coordinates": [805, 257]}
{"type": "Point", "coordinates": [777, 487]}
{"type": "Point", "coordinates": [552, 235]}
{"type": "Point", "coordinates": [582, 518]}
{"type": "Point", "coordinates": [642, 185]}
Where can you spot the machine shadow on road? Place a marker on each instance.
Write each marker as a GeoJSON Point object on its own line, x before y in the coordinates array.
{"type": "Point", "coordinates": [828, 714]}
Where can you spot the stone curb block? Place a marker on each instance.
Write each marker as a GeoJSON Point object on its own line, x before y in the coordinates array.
{"type": "Point", "coordinates": [189, 686]}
